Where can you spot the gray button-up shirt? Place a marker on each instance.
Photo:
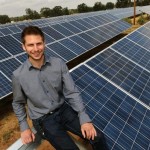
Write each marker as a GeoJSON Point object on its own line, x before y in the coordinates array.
{"type": "Point", "coordinates": [44, 90]}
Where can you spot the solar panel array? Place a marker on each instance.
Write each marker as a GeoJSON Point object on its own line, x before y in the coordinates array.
{"type": "Point", "coordinates": [66, 40]}
{"type": "Point", "coordinates": [124, 12]}
{"type": "Point", "coordinates": [118, 12]}
{"type": "Point", "coordinates": [115, 86]}
{"type": "Point", "coordinates": [145, 9]}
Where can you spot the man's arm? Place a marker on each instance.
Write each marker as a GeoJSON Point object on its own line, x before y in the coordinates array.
{"type": "Point", "coordinates": [19, 101]}
{"type": "Point", "coordinates": [73, 96]}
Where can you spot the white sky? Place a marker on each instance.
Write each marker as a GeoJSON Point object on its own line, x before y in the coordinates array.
{"type": "Point", "coordinates": [14, 8]}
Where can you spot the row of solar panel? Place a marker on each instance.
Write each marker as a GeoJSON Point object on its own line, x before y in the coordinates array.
{"type": "Point", "coordinates": [115, 89]}
{"type": "Point", "coordinates": [14, 28]}
{"type": "Point", "coordinates": [84, 40]}
{"type": "Point", "coordinates": [126, 63]}
{"type": "Point", "coordinates": [94, 21]}
{"type": "Point", "coordinates": [124, 121]}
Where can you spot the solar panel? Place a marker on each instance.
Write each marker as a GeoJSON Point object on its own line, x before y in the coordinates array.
{"type": "Point", "coordinates": [10, 44]}
{"type": "Point", "coordinates": [63, 51]}
{"type": "Point", "coordinates": [115, 87]}
{"type": "Point", "coordinates": [5, 86]}
{"type": "Point", "coordinates": [73, 46]}
{"type": "Point", "coordinates": [14, 29]}
{"type": "Point", "coordinates": [5, 31]}
{"type": "Point", "coordinates": [22, 58]}
{"type": "Point", "coordinates": [62, 30]}
{"type": "Point", "coordinates": [123, 120]}
{"type": "Point", "coordinates": [8, 66]}
{"type": "Point", "coordinates": [53, 33]}
{"type": "Point", "coordinates": [71, 27]}
{"type": "Point", "coordinates": [3, 53]}
{"type": "Point", "coordinates": [124, 73]}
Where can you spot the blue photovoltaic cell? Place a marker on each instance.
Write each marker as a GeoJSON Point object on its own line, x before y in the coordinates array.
{"type": "Point", "coordinates": [115, 30]}
{"type": "Point", "coordinates": [17, 36]}
{"type": "Point", "coordinates": [10, 44]}
{"type": "Point", "coordinates": [53, 33]}
{"type": "Point", "coordinates": [140, 39]}
{"type": "Point", "coordinates": [144, 31]}
{"type": "Point", "coordinates": [73, 46]}
{"type": "Point", "coordinates": [70, 27]}
{"type": "Point", "coordinates": [117, 115]}
{"type": "Point", "coordinates": [102, 33]}
{"type": "Point", "coordinates": [62, 51]}
{"type": "Point", "coordinates": [62, 30]}
{"type": "Point", "coordinates": [94, 24]}
{"type": "Point", "coordinates": [110, 17]}
{"type": "Point", "coordinates": [107, 31]}
{"type": "Point", "coordinates": [5, 31]}
{"type": "Point", "coordinates": [98, 20]}
{"type": "Point", "coordinates": [8, 66]}
{"type": "Point", "coordinates": [96, 36]}
{"type": "Point", "coordinates": [48, 39]}
{"type": "Point", "coordinates": [21, 26]}
{"type": "Point", "coordinates": [78, 25]}
{"type": "Point", "coordinates": [147, 25]}
{"type": "Point", "coordinates": [134, 52]}
{"type": "Point", "coordinates": [50, 53]}
{"type": "Point", "coordinates": [81, 42]}
{"type": "Point", "coordinates": [3, 53]}
{"type": "Point", "coordinates": [22, 58]}
{"type": "Point", "coordinates": [5, 86]}
{"type": "Point", "coordinates": [14, 29]}
{"type": "Point", "coordinates": [89, 39]}
{"type": "Point", "coordinates": [122, 24]}
{"type": "Point", "coordinates": [1, 34]}
{"type": "Point", "coordinates": [124, 73]}
{"type": "Point", "coordinates": [86, 24]}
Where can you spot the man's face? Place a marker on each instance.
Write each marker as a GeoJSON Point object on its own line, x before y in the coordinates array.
{"type": "Point", "coordinates": [34, 46]}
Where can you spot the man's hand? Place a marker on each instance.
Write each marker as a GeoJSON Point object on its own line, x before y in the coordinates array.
{"type": "Point", "coordinates": [88, 131]}
{"type": "Point", "coordinates": [27, 136]}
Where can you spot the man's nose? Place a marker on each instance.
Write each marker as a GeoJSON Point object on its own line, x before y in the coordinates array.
{"type": "Point", "coordinates": [35, 47]}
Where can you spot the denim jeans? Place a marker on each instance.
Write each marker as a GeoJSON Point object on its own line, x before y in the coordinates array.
{"type": "Point", "coordinates": [53, 128]}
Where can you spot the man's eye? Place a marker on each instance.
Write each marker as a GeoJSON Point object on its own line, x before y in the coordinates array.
{"type": "Point", "coordinates": [38, 44]}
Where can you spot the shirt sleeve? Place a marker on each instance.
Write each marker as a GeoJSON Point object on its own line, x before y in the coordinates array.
{"type": "Point", "coordinates": [19, 101]}
{"type": "Point", "coordinates": [72, 95]}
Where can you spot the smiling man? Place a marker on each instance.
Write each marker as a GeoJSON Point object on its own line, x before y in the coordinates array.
{"type": "Point", "coordinates": [45, 85]}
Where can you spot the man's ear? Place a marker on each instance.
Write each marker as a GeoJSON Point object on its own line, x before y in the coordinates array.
{"type": "Point", "coordinates": [23, 47]}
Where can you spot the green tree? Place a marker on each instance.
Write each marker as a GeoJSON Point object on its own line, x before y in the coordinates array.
{"type": "Point", "coordinates": [4, 19]}
{"type": "Point", "coordinates": [110, 5]}
{"type": "Point", "coordinates": [32, 14]}
{"type": "Point", "coordinates": [82, 8]}
{"type": "Point", "coordinates": [65, 11]}
{"type": "Point", "coordinates": [98, 6]}
{"type": "Point", "coordinates": [46, 12]}
{"type": "Point", "coordinates": [123, 3]}
{"type": "Point", "coordinates": [57, 11]}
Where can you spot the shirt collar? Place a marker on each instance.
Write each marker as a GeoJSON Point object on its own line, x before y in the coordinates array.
{"type": "Point", "coordinates": [46, 60]}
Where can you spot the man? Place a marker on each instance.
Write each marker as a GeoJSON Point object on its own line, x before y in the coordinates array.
{"type": "Point", "coordinates": [46, 85]}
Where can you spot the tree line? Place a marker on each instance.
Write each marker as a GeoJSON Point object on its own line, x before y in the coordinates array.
{"type": "Point", "coordinates": [46, 12]}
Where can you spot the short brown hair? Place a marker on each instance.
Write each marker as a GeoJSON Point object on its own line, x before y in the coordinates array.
{"type": "Point", "coordinates": [31, 30]}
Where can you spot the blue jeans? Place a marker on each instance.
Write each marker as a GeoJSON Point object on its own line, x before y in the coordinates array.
{"type": "Point", "coordinates": [53, 128]}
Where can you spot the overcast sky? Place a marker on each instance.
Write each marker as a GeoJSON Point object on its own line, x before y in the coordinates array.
{"type": "Point", "coordinates": [14, 8]}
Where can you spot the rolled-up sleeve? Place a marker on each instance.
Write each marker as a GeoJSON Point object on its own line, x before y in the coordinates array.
{"type": "Point", "coordinates": [19, 101]}
{"type": "Point", "coordinates": [72, 95]}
